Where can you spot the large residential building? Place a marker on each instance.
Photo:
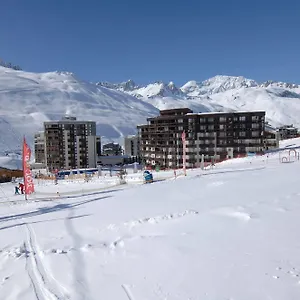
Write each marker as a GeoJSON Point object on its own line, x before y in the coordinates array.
{"type": "Point", "coordinates": [71, 144]}
{"type": "Point", "coordinates": [216, 135]}
{"type": "Point", "coordinates": [132, 146]}
{"type": "Point", "coordinates": [287, 132]}
{"type": "Point", "coordinates": [39, 147]}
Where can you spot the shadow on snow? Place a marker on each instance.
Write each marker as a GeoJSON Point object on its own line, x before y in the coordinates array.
{"type": "Point", "coordinates": [51, 209]}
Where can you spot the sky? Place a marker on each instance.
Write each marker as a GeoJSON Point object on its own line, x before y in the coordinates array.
{"type": "Point", "coordinates": [153, 40]}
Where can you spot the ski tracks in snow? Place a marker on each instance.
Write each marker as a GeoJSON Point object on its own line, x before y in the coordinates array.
{"type": "Point", "coordinates": [44, 284]}
{"type": "Point", "coordinates": [128, 292]}
{"type": "Point", "coordinates": [80, 282]}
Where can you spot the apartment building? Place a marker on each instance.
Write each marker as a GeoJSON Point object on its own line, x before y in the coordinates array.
{"type": "Point", "coordinates": [112, 149]}
{"type": "Point", "coordinates": [287, 132]}
{"type": "Point", "coordinates": [132, 146]}
{"type": "Point", "coordinates": [216, 135]}
{"type": "Point", "coordinates": [39, 147]}
{"type": "Point", "coordinates": [70, 144]}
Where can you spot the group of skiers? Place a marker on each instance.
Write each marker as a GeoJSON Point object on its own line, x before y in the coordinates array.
{"type": "Point", "coordinates": [19, 188]}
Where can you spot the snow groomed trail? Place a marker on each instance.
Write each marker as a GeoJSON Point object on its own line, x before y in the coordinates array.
{"type": "Point", "coordinates": [233, 227]}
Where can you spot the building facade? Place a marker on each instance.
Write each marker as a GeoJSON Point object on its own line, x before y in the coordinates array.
{"type": "Point", "coordinates": [39, 147]}
{"type": "Point", "coordinates": [70, 144]}
{"type": "Point", "coordinates": [98, 145]}
{"type": "Point", "coordinates": [287, 132]}
{"type": "Point", "coordinates": [215, 135]}
{"type": "Point", "coordinates": [271, 138]}
{"type": "Point", "coordinates": [112, 149]}
{"type": "Point", "coordinates": [132, 146]}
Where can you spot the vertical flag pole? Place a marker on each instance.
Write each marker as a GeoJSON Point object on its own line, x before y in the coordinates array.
{"type": "Point", "coordinates": [27, 175]}
{"type": "Point", "coordinates": [183, 137]}
{"type": "Point", "coordinates": [24, 166]}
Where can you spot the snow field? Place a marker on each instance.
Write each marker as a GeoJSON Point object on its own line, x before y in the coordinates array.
{"type": "Point", "coordinates": [230, 232]}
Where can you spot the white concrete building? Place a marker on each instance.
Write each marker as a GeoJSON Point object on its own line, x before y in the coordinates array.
{"type": "Point", "coordinates": [132, 146]}
{"type": "Point", "coordinates": [70, 144]}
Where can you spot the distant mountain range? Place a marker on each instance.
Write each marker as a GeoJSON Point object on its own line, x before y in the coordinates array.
{"type": "Point", "coordinates": [280, 100]}
{"type": "Point", "coordinates": [214, 85]}
{"type": "Point", "coordinates": [29, 99]}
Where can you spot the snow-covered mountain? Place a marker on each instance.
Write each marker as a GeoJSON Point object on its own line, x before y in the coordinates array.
{"type": "Point", "coordinates": [29, 99]}
{"type": "Point", "coordinates": [126, 86]}
{"type": "Point", "coordinates": [280, 100]}
{"type": "Point", "coordinates": [152, 90]}
{"type": "Point", "coordinates": [217, 84]}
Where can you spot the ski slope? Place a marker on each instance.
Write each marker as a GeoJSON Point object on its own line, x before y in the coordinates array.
{"type": "Point", "coordinates": [29, 99]}
{"type": "Point", "coordinates": [230, 232]}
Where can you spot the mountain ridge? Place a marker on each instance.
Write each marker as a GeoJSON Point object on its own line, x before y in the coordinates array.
{"type": "Point", "coordinates": [28, 99]}
{"type": "Point", "coordinates": [217, 84]}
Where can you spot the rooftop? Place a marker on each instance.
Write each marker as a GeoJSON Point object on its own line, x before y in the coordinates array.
{"type": "Point", "coordinates": [224, 112]}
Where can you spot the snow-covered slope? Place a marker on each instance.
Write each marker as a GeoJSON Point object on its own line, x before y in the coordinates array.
{"type": "Point", "coordinates": [216, 84]}
{"type": "Point", "coordinates": [158, 89]}
{"type": "Point", "coordinates": [29, 99]}
{"type": "Point", "coordinates": [282, 106]}
{"type": "Point", "coordinates": [126, 86]}
{"type": "Point", "coordinates": [280, 100]}
{"type": "Point", "coordinates": [236, 239]}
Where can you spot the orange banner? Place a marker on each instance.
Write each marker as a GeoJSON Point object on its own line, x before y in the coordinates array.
{"type": "Point", "coordinates": [28, 180]}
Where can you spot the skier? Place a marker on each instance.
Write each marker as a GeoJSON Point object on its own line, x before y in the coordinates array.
{"type": "Point", "coordinates": [17, 190]}
{"type": "Point", "coordinates": [148, 177]}
{"type": "Point", "coordinates": [21, 186]}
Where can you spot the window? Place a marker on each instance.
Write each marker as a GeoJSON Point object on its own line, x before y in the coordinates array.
{"type": "Point", "coordinates": [222, 119]}
{"type": "Point", "coordinates": [242, 118]}
{"type": "Point", "coordinates": [202, 127]}
{"type": "Point", "coordinates": [222, 127]}
{"type": "Point", "coordinates": [180, 120]}
{"type": "Point", "coordinates": [255, 126]}
{"type": "Point", "coordinates": [254, 118]}
{"type": "Point", "coordinates": [202, 120]}
{"type": "Point", "coordinates": [222, 134]}
{"type": "Point", "coordinates": [242, 133]}
{"type": "Point", "coordinates": [255, 133]}
{"type": "Point", "coordinates": [210, 120]}
{"type": "Point", "coordinates": [180, 128]}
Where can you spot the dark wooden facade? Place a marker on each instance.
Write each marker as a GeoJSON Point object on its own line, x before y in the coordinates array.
{"type": "Point", "coordinates": [214, 135]}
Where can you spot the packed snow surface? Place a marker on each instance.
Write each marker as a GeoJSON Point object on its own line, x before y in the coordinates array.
{"type": "Point", "coordinates": [228, 232]}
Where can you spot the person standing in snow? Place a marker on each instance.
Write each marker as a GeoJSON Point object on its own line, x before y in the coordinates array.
{"type": "Point", "coordinates": [17, 190]}
{"type": "Point", "coordinates": [21, 186]}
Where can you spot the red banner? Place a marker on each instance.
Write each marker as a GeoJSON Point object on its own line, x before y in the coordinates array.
{"type": "Point", "coordinates": [28, 180]}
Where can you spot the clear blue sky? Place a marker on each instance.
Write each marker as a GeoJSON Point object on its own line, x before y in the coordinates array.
{"type": "Point", "coordinates": [154, 40]}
